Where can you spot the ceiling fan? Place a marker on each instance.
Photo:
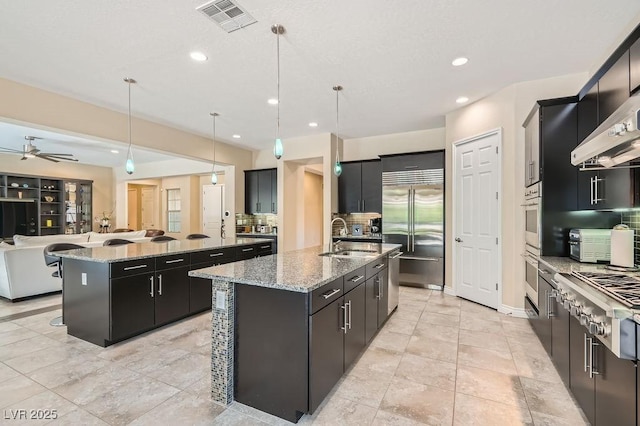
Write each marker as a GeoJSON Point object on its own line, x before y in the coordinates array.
{"type": "Point", "coordinates": [29, 150]}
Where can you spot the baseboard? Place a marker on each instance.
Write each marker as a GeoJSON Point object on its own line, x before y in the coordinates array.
{"type": "Point", "coordinates": [449, 290]}
{"type": "Point", "coordinates": [511, 311]}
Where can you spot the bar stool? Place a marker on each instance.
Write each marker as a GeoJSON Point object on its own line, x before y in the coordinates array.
{"type": "Point", "coordinates": [116, 242]}
{"type": "Point", "coordinates": [161, 238]}
{"type": "Point", "coordinates": [196, 236]}
{"type": "Point", "coordinates": [52, 260]}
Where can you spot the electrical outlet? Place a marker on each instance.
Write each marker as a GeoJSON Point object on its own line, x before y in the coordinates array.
{"type": "Point", "coordinates": [84, 278]}
{"type": "Point", "coordinates": [221, 300]}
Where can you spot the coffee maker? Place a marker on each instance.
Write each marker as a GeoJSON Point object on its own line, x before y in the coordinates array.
{"type": "Point", "coordinates": [375, 225]}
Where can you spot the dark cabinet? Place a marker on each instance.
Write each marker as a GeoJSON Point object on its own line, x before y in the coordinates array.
{"type": "Point", "coordinates": [416, 161]}
{"type": "Point", "coordinates": [588, 113]}
{"type": "Point", "coordinates": [582, 386]}
{"type": "Point", "coordinates": [360, 187]}
{"type": "Point", "coordinates": [560, 340]}
{"type": "Point", "coordinates": [200, 290]}
{"type": "Point", "coordinates": [634, 66]}
{"type": "Point", "coordinates": [260, 192]}
{"type": "Point", "coordinates": [532, 147]}
{"type": "Point", "coordinates": [132, 305]}
{"type": "Point", "coordinates": [542, 323]}
{"type": "Point", "coordinates": [354, 338]}
{"type": "Point", "coordinates": [613, 88]}
{"type": "Point", "coordinates": [371, 308]}
{"type": "Point", "coordinates": [383, 297]}
{"type": "Point", "coordinates": [172, 294]}
{"type": "Point", "coordinates": [615, 382]}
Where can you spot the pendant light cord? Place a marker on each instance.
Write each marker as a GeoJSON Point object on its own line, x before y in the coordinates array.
{"type": "Point", "coordinates": [278, 80]}
{"type": "Point", "coordinates": [337, 125]}
{"type": "Point", "coordinates": [129, 85]}
{"type": "Point", "coordinates": [214, 140]}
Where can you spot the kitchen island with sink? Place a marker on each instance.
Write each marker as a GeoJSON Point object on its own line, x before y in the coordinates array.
{"type": "Point", "coordinates": [287, 326]}
{"type": "Point", "coordinates": [115, 292]}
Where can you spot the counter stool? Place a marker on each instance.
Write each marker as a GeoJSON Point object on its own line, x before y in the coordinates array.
{"type": "Point", "coordinates": [52, 260]}
{"type": "Point", "coordinates": [161, 238]}
{"type": "Point", "coordinates": [196, 236]}
{"type": "Point", "coordinates": [116, 242]}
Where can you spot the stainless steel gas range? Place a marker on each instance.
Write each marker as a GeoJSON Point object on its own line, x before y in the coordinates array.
{"type": "Point", "coordinates": [604, 303]}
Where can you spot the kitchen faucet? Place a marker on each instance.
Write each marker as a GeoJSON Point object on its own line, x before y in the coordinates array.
{"type": "Point", "coordinates": [336, 244]}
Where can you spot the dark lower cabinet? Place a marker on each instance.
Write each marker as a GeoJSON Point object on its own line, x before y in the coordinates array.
{"type": "Point", "coordinates": [200, 290]}
{"type": "Point", "coordinates": [383, 296]}
{"type": "Point", "coordinates": [615, 382]}
{"type": "Point", "coordinates": [371, 307]}
{"type": "Point", "coordinates": [542, 324]}
{"type": "Point", "coordinates": [172, 294]}
{"type": "Point", "coordinates": [560, 341]}
{"type": "Point", "coordinates": [354, 338]}
{"type": "Point", "coordinates": [132, 305]}
{"type": "Point", "coordinates": [582, 387]}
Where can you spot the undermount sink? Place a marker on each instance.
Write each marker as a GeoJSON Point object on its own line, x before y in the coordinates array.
{"type": "Point", "coordinates": [350, 253]}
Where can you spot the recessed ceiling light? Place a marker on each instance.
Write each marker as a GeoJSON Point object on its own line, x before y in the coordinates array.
{"type": "Point", "coordinates": [115, 151]}
{"type": "Point", "coordinates": [198, 56]}
{"type": "Point", "coordinates": [313, 124]}
{"type": "Point", "coordinates": [459, 61]}
{"type": "Point", "coordinates": [273, 101]}
{"type": "Point", "coordinates": [462, 100]}
{"type": "Point", "coordinates": [236, 136]}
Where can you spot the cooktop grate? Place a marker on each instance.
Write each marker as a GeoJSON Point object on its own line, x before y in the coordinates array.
{"type": "Point", "coordinates": [623, 288]}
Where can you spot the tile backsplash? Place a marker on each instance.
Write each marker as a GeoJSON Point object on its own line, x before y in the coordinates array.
{"type": "Point", "coordinates": [353, 219]}
{"type": "Point", "coordinates": [632, 220]}
{"type": "Point", "coordinates": [244, 220]}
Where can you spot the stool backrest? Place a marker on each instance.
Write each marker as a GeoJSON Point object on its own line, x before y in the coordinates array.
{"type": "Point", "coordinates": [116, 242]}
{"type": "Point", "coordinates": [196, 236]}
{"type": "Point", "coordinates": [161, 238]}
{"type": "Point", "coordinates": [51, 259]}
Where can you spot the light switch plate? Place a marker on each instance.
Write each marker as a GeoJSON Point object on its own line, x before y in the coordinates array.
{"type": "Point", "coordinates": [221, 300]}
{"type": "Point", "coordinates": [84, 278]}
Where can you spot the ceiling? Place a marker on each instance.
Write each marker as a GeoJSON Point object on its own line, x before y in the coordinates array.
{"type": "Point", "coordinates": [392, 57]}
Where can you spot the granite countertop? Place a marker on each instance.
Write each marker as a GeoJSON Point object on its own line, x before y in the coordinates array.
{"type": "Point", "coordinates": [565, 265]}
{"type": "Point", "coordinates": [109, 254]}
{"type": "Point", "coordinates": [358, 237]}
{"type": "Point", "coordinates": [299, 270]}
{"type": "Point", "coordinates": [256, 234]}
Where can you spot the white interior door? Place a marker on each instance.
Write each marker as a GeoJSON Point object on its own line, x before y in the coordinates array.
{"type": "Point", "coordinates": [132, 205]}
{"type": "Point", "coordinates": [148, 207]}
{"type": "Point", "coordinates": [212, 210]}
{"type": "Point", "coordinates": [477, 219]}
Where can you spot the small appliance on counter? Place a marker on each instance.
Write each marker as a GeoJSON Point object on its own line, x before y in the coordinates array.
{"type": "Point", "coordinates": [375, 225]}
{"type": "Point", "coordinates": [590, 245]}
{"type": "Point", "coordinates": [622, 246]}
{"type": "Point", "coordinates": [356, 230]}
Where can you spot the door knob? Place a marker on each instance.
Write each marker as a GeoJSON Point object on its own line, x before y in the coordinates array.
{"type": "Point", "coordinates": [458, 240]}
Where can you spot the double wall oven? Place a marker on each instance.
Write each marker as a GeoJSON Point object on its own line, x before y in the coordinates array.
{"type": "Point", "coordinates": [532, 225]}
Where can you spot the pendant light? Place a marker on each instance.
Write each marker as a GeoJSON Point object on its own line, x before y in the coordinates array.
{"type": "Point", "coordinates": [278, 149]}
{"type": "Point", "coordinates": [130, 165]}
{"type": "Point", "coordinates": [337, 167]}
{"type": "Point", "coordinates": [214, 176]}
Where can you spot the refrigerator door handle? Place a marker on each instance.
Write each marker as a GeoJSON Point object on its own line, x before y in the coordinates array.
{"type": "Point", "coordinates": [413, 220]}
{"type": "Point", "coordinates": [409, 222]}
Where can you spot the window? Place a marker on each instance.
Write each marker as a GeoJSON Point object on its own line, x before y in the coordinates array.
{"type": "Point", "coordinates": [173, 210]}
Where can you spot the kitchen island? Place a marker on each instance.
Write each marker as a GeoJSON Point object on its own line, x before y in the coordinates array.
{"type": "Point", "coordinates": [115, 292]}
{"type": "Point", "coordinates": [287, 326]}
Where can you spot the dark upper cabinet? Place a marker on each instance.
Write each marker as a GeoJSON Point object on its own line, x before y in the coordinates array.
{"type": "Point", "coordinates": [634, 66]}
{"type": "Point", "coordinates": [260, 191]}
{"type": "Point", "coordinates": [613, 88]}
{"type": "Point", "coordinates": [588, 113]}
{"type": "Point", "coordinates": [605, 189]}
{"type": "Point", "coordinates": [360, 187]}
{"type": "Point", "coordinates": [418, 161]}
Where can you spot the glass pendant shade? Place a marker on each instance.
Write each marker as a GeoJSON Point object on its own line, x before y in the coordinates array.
{"type": "Point", "coordinates": [278, 149]}
{"type": "Point", "coordinates": [337, 168]}
{"type": "Point", "coordinates": [214, 178]}
{"type": "Point", "coordinates": [130, 166]}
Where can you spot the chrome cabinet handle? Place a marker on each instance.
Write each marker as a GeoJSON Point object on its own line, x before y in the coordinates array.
{"type": "Point", "coordinates": [174, 261]}
{"type": "Point", "coordinates": [591, 190]}
{"type": "Point", "coordinates": [379, 295]}
{"type": "Point", "coordinates": [344, 318]}
{"type": "Point", "coordinates": [381, 288]}
{"type": "Point", "coordinates": [409, 221]}
{"type": "Point", "coordinates": [356, 278]}
{"type": "Point", "coordinates": [363, 205]}
{"type": "Point", "coordinates": [331, 293]}
{"type": "Point", "coordinates": [587, 349]}
{"type": "Point", "coordinates": [265, 247]}
{"type": "Point", "coordinates": [592, 359]}
{"type": "Point", "coordinates": [379, 266]}
{"type": "Point", "coordinates": [550, 297]}
{"type": "Point", "coordinates": [248, 249]}
{"type": "Point", "coordinates": [151, 279]}
{"type": "Point", "coordinates": [273, 207]}
{"type": "Point", "coordinates": [159, 284]}
{"type": "Point", "coordinates": [215, 254]}
{"type": "Point", "coordinates": [129, 268]}
{"type": "Point", "coordinates": [397, 255]}
{"type": "Point", "coordinates": [349, 314]}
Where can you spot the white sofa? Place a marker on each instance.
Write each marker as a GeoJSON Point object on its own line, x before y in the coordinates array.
{"type": "Point", "coordinates": [23, 272]}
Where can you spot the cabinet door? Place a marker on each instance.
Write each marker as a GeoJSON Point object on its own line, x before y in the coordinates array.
{"type": "Point", "coordinates": [371, 186]}
{"type": "Point", "coordinates": [264, 191]}
{"type": "Point", "coordinates": [418, 161]}
{"type": "Point", "coordinates": [132, 305]}
{"type": "Point", "coordinates": [371, 308]}
{"type": "Point", "coordinates": [560, 340]}
{"type": "Point", "coordinates": [383, 297]}
{"type": "Point", "coordinates": [634, 66]}
{"type": "Point", "coordinates": [200, 290]}
{"type": "Point", "coordinates": [582, 387]}
{"type": "Point", "coordinates": [250, 192]}
{"type": "Point", "coordinates": [350, 188]}
{"type": "Point", "coordinates": [532, 150]}
{"type": "Point", "coordinates": [613, 88]}
{"type": "Point", "coordinates": [274, 191]}
{"type": "Point", "coordinates": [588, 113]}
{"type": "Point", "coordinates": [543, 324]}
{"type": "Point", "coordinates": [172, 294]}
{"type": "Point", "coordinates": [354, 340]}
{"type": "Point", "coordinates": [326, 349]}
{"type": "Point", "coordinates": [605, 189]}
{"type": "Point", "coordinates": [615, 389]}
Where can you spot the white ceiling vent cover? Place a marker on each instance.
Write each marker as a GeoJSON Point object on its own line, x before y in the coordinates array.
{"type": "Point", "coordinates": [228, 14]}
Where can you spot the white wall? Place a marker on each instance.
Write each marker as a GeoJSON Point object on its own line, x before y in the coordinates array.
{"type": "Point", "coordinates": [506, 109]}
{"type": "Point", "coordinates": [397, 143]}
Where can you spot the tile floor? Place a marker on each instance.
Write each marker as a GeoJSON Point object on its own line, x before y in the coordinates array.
{"type": "Point", "coordinates": [439, 360]}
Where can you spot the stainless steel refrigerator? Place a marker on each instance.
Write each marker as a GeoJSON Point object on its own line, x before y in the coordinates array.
{"type": "Point", "coordinates": [413, 215]}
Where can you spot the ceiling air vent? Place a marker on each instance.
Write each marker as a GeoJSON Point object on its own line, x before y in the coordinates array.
{"type": "Point", "coordinates": [228, 14]}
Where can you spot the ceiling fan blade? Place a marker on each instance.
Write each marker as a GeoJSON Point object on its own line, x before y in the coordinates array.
{"type": "Point", "coordinates": [24, 158]}
{"type": "Point", "coordinates": [11, 150]}
{"type": "Point", "coordinates": [52, 153]}
{"type": "Point", "coordinates": [47, 158]}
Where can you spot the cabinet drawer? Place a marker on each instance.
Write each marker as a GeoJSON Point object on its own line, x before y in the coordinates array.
{"type": "Point", "coordinates": [326, 294]}
{"type": "Point", "coordinates": [265, 249]}
{"type": "Point", "coordinates": [132, 267]}
{"type": "Point", "coordinates": [173, 261]}
{"type": "Point", "coordinates": [246, 252]}
{"type": "Point", "coordinates": [219, 256]}
{"type": "Point", "coordinates": [376, 266]}
{"type": "Point", "coordinates": [353, 279]}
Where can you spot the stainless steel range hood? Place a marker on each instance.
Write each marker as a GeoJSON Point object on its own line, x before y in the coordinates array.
{"type": "Point", "coordinates": [615, 141]}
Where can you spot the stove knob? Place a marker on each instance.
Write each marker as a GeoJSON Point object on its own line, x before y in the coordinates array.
{"type": "Point", "coordinates": [576, 310]}
{"type": "Point", "coordinates": [585, 320]}
{"type": "Point", "coordinates": [567, 304]}
{"type": "Point", "coordinates": [596, 328]}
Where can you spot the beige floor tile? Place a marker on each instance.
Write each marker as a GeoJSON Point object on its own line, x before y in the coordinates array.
{"type": "Point", "coordinates": [411, 305]}
{"type": "Point", "coordinates": [183, 372]}
{"type": "Point", "coordinates": [469, 306]}
{"type": "Point", "coordinates": [92, 386]}
{"type": "Point", "coordinates": [377, 361]}
{"type": "Point", "coordinates": [479, 339]}
{"type": "Point", "coordinates": [78, 417]}
{"type": "Point", "coordinates": [408, 314]}
{"type": "Point", "coordinates": [128, 348]}
{"type": "Point", "coordinates": [7, 372]}
{"type": "Point", "coordinates": [16, 335]}
{"type": "Point", "coordinates": [436, 308]}
{"type": "Point", "coordinates": [430, 348]}
{"type": "Point", "coordinates": [499, 361]}
{"type": "Point", "coordinates": [125, 403]}
{"type": "Point", "coordinates": [439, 319]}
{"type": "Point", "coordinates": [192, 340]}
{"type": "Point", "coordinates": [486, 326]}
{"type": "Point", "coordinates": [514, 329]}
{"type": "Point", "coordinates": [499, 387]}
{"type": "Point", "coordinates": [18, 389]}
{"type": "Point", "coordinates": [367, 390]}
{"type": "Point", "coordinates": [384, 418]}
{"type": "Point", "coordinates": [422, 403]}
{"type": "Point", "coordinates": [68, 370]}
{"type": "Point", "coordinates": [46, 406]}
{"type": "Point", "coordinates": [470, 410]}
{"type": "Point", "coordinates": [527, 344]}
{"type": "Point", "coordinates": [427, 371]}
{"type": "Point", "coordinates": [401, 326]}
{"type": "Point", "coordinates": [258, 415]}
{"type": "Point", "coordinates": [390, 340]}
{"type": "Point", "coordinates": [485, 314]}
{"type": "Point", "coordinates": [146, 362]}
{"type": "Point", "coordinates": [341, 411]}
{"type": "Point", "coordinates": [437, 332]}
{"type": "Point", "coordinates": [23, 347]}
{"type": "Point", "coordinates": [550, 398]}
{"type": "Point", "coordinates": [535, 366]}
{"type": "Point", "coordinates": [182, 408]}
{"type": "Point", "coordinates": [201, 388]}
{"type": "Point", "coordinates": [8, 326]}
{"type": "Point", "coordinates": [235, 418]}
{"type": "Point", "coordinates": [445, 299]}
{"type": "Point", "coordinates": [42, 358]}
{"type": "Point", "coordinates": [543, 419]}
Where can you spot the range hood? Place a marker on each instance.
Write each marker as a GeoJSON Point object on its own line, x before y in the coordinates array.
{"type": "Point", "coordinates": [615, 141]}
